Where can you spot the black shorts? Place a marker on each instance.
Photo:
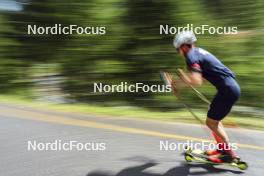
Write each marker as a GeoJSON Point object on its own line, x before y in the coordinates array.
{"type": "Point", "coordinates": [225, 98]}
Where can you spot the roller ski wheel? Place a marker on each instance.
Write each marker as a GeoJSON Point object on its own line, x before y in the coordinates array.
{"type": "Point", "coordinates": [187, 150]}
{"type": "Point", "coordinates": [242, 165]}
{"type": "Point", "coordinates": [235, 163]}
{"type": "Point", "coordinates": [199, 156]}
{"type": "Point", "coordinates": [188, 158]}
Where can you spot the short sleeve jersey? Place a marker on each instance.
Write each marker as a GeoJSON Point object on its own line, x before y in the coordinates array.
{"type": "Point", "coordinates": [200, 60]}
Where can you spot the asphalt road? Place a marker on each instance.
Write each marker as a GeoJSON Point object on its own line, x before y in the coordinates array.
{"type": "Point", "coordinates": [132, 146]}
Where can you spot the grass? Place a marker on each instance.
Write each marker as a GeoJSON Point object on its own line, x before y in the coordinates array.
{"type": "Point", "coordinates": [133, 112]}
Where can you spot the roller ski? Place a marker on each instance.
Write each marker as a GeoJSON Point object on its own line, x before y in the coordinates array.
{"type": "Point", "coordinates": [213, 158]}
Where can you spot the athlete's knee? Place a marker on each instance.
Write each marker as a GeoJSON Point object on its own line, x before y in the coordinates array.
{"type": "Point", "coordinates": [212, 124]}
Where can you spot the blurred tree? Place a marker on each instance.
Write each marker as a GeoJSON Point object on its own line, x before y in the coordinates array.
{"type": "Point", "coordinates": [132, 49]}
{"type": "Point", "coordinates": [40, 48]}
{"type": "Point", "coordinates": [11, 68]}
{"type": "Point", "coordinates": [144, 47]}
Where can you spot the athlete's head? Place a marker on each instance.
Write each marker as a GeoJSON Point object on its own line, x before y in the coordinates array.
{"type": "Point", "coordinates": [184, 41]}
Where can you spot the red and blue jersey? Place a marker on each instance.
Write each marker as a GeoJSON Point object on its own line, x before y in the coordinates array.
{"type": "Point", "coordinates": [200, 60]}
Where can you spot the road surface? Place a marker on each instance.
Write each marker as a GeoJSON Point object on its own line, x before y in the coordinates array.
{"type": "Point", "coordinates": [132, 146]}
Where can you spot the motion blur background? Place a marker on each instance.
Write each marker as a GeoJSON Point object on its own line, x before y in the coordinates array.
{"type": "Point", "coordinates": [62, 69]}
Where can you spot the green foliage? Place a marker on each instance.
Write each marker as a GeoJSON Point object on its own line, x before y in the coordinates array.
{"type": "Point", "coordinates": [132, 49]}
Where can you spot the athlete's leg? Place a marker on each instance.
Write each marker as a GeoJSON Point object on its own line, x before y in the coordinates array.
{"type": "Point", "coordinates": [222, 140]}
{"type": "Point", "coordinates": [216, 137]}
{"type": "Point", "coordinates": [218, 130]}
{"type": "Point", "coordinates": [218, 140]}
{"type": "Point", "coordinates": [219, 108]}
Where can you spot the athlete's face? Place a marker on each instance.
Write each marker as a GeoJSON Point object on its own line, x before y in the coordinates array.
{"type": "Point", "coordinates": [183, 50]}
{"type": "Point", "coordinates": [180, 51]}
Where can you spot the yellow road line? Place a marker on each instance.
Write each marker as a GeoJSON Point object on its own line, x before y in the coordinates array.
{"type": "Point", "coordinates": [24, 114]}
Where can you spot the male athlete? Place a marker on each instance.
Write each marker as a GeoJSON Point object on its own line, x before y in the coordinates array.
{"type": "Point", "coordinates": [202, 64]}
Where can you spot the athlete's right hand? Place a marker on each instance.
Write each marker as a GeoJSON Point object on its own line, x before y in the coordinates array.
{"type": "Point", "coordinates": [172, 83]}
{"type": "Point", "coordinates": [174, 90]}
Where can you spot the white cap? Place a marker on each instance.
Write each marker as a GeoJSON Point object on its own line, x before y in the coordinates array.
{"type": "Point", "coordinates": [184, 37]}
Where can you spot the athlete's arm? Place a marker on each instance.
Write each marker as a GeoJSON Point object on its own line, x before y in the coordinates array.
{"type": "Point", "coordinates": [192, 78]}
